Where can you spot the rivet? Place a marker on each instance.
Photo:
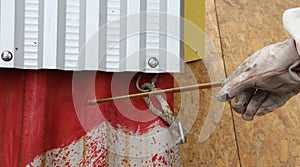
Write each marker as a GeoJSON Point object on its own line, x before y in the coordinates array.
{"type": "Point", "coordinates": [153, 62]}
{"type": "Point", "coordinates": [6, 56]}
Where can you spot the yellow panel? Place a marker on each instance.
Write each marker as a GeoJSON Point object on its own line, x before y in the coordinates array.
{"type": "Point", "coordinates": [194, 11]}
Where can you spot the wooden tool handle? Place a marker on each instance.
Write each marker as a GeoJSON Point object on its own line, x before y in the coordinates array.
{"type": "Point", "coordinates": [158, 92]}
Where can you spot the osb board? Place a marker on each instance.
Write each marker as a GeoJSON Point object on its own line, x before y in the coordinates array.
{"type": "Point", "coordinates": [246, 26]}
{"type": "Point", "coordinates": [220, 148]}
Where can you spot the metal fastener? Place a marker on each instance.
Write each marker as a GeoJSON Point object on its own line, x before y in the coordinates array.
{"type": "Point", "coordinates": [181, 132]}
{"type": "Point", "coordinates": [6, 56]}
{"type": "Point", "coordinates": [153, 62]}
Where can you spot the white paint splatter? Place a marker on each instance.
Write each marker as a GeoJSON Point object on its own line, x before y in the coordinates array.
{"type": "Point", "coordinates": [105, 146]}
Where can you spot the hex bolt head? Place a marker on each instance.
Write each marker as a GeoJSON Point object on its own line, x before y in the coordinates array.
{"type": "Point", "coordinates": [6, 56]}
{"type": "Point", "coordinates": [153, 62]}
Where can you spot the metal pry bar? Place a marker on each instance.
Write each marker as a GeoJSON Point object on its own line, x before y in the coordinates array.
{"type": "Point", "coordinates": [158, 92]}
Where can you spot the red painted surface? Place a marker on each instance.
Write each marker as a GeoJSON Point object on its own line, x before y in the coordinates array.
{"type": "Point", "coordinates": [37, 111]}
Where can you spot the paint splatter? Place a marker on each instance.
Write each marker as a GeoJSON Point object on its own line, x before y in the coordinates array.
{"type": "Point", "coordinates": [104, 146]}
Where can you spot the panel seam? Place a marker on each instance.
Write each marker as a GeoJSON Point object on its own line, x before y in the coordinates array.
{"type": "Point", "coordinates": [226, 74]}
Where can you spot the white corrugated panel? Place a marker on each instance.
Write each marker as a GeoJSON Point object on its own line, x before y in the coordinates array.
{"type": "Point", "coordinates": [106, 35]}
{"type": "Point", "coordinates": [7, 29]}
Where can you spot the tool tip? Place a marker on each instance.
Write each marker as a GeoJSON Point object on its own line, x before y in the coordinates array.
{"type": "Point", "coordinates": [91, 102]}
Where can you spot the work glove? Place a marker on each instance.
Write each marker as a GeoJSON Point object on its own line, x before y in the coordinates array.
{"type": "Point", "coordinates": [265, 81]}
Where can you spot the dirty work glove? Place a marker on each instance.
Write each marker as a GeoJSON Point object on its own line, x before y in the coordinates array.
{"type": "Point", "coordinates": [265, 81]}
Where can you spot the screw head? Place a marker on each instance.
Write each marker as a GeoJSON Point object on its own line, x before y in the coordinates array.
{"type": "Point", "coordinates": [153, 62]}
{"type": "Point", "coordinates": [6, 56]}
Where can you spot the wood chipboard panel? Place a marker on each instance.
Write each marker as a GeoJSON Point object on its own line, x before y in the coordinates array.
{"type": "Point", "coordinates": [220, 148]}
{"type": "Point", "coordinates": [246, 26]}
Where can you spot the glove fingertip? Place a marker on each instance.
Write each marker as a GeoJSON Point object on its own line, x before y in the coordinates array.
{"type": "Point", "coordinates": [239, 108]}
{"type": "Point", "coordinates": [261, 112]}
{"type": "Point", "coordinates": [247, 117]}
{"type": "Point", "coordinates": [223, 97]}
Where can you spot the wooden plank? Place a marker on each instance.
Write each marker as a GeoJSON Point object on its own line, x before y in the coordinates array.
{"type": "Point", "coordinates": [284, 150]}
{"type": "Point", "coordinates": [245, 27]}
{"type": "Point", "coordinates": [220, 148]}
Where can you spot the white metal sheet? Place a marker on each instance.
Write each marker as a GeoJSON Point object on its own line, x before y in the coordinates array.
{"type": "Point", "coordinates": [106, 35]}
{"type": "Point", "coordinates": [50, 28]}
{"type": "Point", "coordinates": [7, 29]}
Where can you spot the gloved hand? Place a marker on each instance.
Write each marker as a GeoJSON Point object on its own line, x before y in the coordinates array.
{"type": "Point", "coordinates": [265, 81]}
